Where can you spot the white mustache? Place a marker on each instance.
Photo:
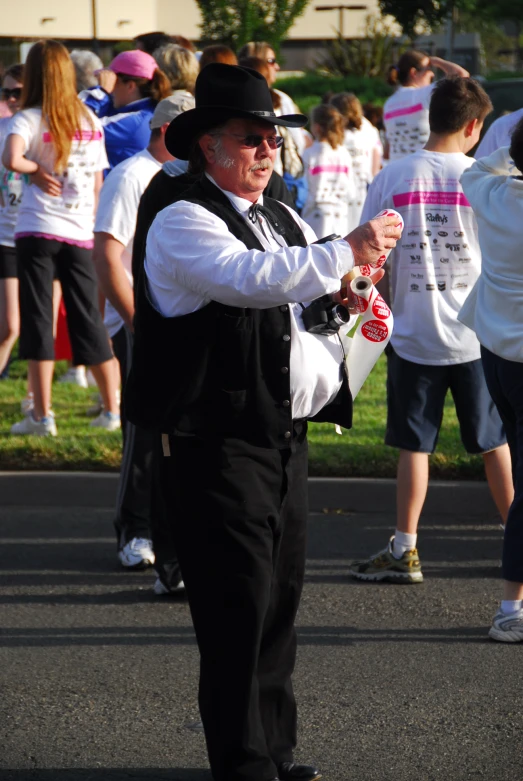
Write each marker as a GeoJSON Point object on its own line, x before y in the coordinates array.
{"type": "Point", "coordinates": [262, 165]}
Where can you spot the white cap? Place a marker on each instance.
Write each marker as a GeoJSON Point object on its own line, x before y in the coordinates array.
{"type": "Point", "coordinates": [169, 108]}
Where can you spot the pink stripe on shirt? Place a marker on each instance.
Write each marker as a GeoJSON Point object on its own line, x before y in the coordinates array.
{"type": "Point", "coordinates": [402, 112]}
{"type": "Point", "coordinates": [329, 169]}
{"type": "Point", "coordinates": [440, 198]}
{"type": "Point", "coordinates": [87, 244]}
{"type": "Point", "coordinates": [84, 135]}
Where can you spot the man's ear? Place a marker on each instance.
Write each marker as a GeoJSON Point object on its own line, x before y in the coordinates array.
{"type": "Point", "coordinates": [207, 144]}
{"type": "Point", "coordinates": [470, 127]}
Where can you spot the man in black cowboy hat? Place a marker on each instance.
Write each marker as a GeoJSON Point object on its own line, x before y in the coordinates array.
{"type": "Point", "coordinates": [226, 372]}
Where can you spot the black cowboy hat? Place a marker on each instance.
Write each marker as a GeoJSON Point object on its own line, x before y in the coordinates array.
{"type": "Point", "coordinates": [224, 92]}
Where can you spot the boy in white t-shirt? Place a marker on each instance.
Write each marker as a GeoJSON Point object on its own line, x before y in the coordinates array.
{"type": "Point", "coordinates": [432, 272]}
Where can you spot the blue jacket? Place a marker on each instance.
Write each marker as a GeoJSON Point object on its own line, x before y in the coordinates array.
{"type": "Point", "coordinates": [126, 129]}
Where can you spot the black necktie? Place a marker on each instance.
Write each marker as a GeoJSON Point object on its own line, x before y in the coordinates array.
{"type": "Point", "coordinates": [254, 212]}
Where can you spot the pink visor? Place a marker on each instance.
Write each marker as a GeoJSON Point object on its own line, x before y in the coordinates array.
{"type": "Point", "coordinates": [134, 63]}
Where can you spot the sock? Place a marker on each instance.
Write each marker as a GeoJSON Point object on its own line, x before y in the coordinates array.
{"type": "Point", "coordinates": [511, 606]}
{"type": "Point", "coordinates": [403, 542]}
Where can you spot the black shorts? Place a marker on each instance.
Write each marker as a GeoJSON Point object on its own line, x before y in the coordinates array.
{"type": "Point", "coordinates": [8, 264]}
{"type": "Point", "coordinates": [38, 261]}
{"type": "Point", "coordinates": [416, 397]}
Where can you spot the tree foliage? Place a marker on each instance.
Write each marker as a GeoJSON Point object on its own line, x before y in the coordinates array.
{"type": "Point", "coordinates": [367, 56]}
{"type": "Point", "coordinates": [235, 22]}
{"type": "Point", "coordinates": [425, 15]}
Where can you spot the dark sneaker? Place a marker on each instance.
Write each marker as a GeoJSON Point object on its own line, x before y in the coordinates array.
{"type": "Point", "coordinates": [384, 567]}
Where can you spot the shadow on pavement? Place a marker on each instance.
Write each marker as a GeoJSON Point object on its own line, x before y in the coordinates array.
{"type": "Point", "coordinates": [183, 636]}
{"type": "Point", "coordinates": [106, 774]}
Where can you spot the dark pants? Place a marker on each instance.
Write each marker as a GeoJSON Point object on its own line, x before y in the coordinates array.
{"type": "Point", "coordinates": [505, 383]}
{"type": "Point", "coordinates": [239, 517]}
{"type": "Point", "coordinates": [39, 262]}
{"type": "Point", "coordinates": [140, 506]}
{"type": "Point", "coordinates": [133, 503]}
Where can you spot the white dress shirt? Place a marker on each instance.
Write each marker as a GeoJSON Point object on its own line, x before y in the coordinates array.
{"type": "Point", "coordinates": [192, 259]}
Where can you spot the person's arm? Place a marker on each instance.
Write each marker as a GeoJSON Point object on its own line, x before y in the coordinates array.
{"type": "Point", "coordinates": [98, 182]}
{"type": "Point", "coordinates": [114, 282]}
{"type": "Point", "coordinates": [14, 159]}
{"type": "Point", "coordinates": [194, 248]}
{"type": "Point", "coordinates": [484, 176]}
{"type": "Point", "coordinates": [449, 68]}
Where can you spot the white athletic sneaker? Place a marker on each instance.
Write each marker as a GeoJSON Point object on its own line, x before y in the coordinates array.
{"type": "Point", "coordinates": [45, 427]}
{"type": "Point", "coordinates": [137, 553]}
{"type": "Point", "coordinates": [110, 421]}
{"type": "Point", "coordinates": [75, 376]}
{"type": "Point", "coordinates": [507, 628]}
{"type": "Point", "coordinates": [162, 590]}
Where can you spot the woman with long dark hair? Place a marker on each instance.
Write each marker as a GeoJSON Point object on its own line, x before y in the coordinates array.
{"type": "Point", "coordinates": [406, 112]}
{"type": "Point", "coordinates": [57, 142]}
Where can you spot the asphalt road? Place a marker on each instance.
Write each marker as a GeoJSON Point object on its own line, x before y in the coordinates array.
{"type": "Point", "coordinates": [395, 683]}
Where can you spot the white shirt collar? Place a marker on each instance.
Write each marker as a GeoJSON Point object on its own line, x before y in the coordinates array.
{"type": "Point", "coordinates": [242, 205]}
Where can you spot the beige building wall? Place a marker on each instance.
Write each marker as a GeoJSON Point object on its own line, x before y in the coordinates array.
{"type": "Point", "coordinates": [126, 18]}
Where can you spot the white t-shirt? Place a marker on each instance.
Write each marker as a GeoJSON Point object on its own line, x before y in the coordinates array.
{"type": "Point", "coordinates": [406, 118]}
{"type": "Point", "coordinates": [11, 193]}
{"type": "Point", "coordinates": [361, 145]}
{"type": "Point", "coordinates": [70, 215]}
{"type": "Point", "coordinates": [437, 261]}
{"type": "Point", "coordinates": [117, 210]}
{"type": "Point", "coordinates": [330, 188]}
{"type": "Point", "coordinates": [498, 134]}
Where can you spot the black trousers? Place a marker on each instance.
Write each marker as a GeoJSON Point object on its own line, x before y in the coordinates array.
{"type": "Point", "coordinates": [505, 383]}
{"type": "Point", "coordinates": [39, 261]}
{"type": "Point", "coordinates": [239, 516]}
{"type": "Point", "coordinates": [140, 505]}
{"type": "Point", "coordinates": [135, 487]}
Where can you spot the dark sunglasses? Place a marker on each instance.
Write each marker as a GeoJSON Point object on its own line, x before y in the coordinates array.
{"type": "Point", "coordinates": [253, 140]}
{"type": "Point", "coordinates": [271, 60]}
{"type": "Point", "coordinates": [15, 93]}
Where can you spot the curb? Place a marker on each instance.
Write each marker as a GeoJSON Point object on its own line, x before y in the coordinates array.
{"type": "Point", "coordinates": [352, 495]}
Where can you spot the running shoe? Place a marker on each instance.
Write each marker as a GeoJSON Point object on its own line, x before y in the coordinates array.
{"type": "Point", "coordinates": [45, 427]}
{"type": "Point", "coordinates": [137, 553]}
{"type": "Point", "coordinates": [75, 376]}
{"type": "Point", "coordinates": [110, 421]}
{"type": "Point", "coordinates": [384, 567]}
{"type": "Point", "coordinates": [507, 628]}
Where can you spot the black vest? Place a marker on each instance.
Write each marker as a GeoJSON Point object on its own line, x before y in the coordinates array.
{"type": "Point", "coordinates": [220, 371]}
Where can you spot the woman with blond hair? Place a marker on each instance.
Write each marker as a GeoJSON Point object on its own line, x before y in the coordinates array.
{"type": "Point", "coordinates": [130, 89]}
{"type": "Point", "coordinates": [364, 145]}
{"type": "Point", "coordinates": [58, 143]}
{"type": "Point", "coordinates": [179, 65]}
{"type": "Point", "coordinates": [328, 169]}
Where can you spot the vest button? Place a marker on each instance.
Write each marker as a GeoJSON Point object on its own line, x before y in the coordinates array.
{"type": "Point", "coordinates": [286, 403]}
{"type": "Point", "coordinates": [284, 308]}
{"type": "Point", "coordinates": [284, 369]}
{"type": "Point", "coordinates": [286, 338]}
{"type": "Point", "coordinates": [287, 435]}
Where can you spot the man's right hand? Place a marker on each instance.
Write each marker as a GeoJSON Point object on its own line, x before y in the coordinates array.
{"type": "Point", "coordinates": [373, 239]}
